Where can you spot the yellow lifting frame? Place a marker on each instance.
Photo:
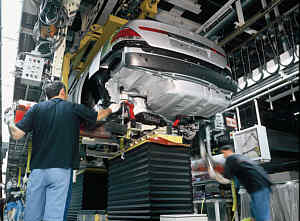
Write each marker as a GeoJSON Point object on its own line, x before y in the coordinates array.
{"type": "Point", "coordinates": [99, 35]}
{"type": "Point", "coordinates": [149, 8]}
{"type": "Point", "coordinates": [146, 139]}
{"type": "Point", "coordinates": [66, 69]}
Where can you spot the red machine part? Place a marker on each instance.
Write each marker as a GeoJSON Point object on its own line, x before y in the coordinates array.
{"type": "Point", "coordinates": [21, 111]}
{"type": "Point", "coordinates": [130, 106]}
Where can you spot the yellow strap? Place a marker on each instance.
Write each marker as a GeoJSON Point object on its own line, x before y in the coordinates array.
{"type": "Point", "coordinates": [19, 177]}
{"type": "Point", "coordinates": [202, 205]}
{"type": "Point", "coordinates": [97, 217]}
{"type": "Point", "coordinates": [234, 196]}
{"type": "Point", "coordinates": [28, 156]}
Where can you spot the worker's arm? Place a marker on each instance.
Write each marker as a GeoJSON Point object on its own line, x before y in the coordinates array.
{"type": "Point", "coordinates": [15, 132]}
{"type": "Point", "coordinates": [102, 114]}
{"type": "Point", "coordinates": [90, 116]}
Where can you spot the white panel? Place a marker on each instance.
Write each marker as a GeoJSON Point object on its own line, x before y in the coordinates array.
{"type": "Point", "coordinates": [187, 217]}
{"type": "Point", "coordinates": [32, 70]}
{"type": "Point", "coordinates": [253, 143]}
{"type": "Point", "coordinates": [72, 7]}
{"type": "Point", "coordinates": [58, 59]}
{"type": "Point", "coordinates": [189, 5]}
{"type": "Point", "coordinates": [178, 21]}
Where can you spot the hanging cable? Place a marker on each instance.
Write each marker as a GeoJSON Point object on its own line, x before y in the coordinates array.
{"type": "Point", "coordinates": [250, 71]}
{"type": "Point", "coordinates": [261, 65]}
{"type": "Point", "coordinates": [232, 77]}
{"type": "Point", "coordinates": [286, 40]}
{"type": "Point", "coordinates": [234, 68]}
{"type": "Point", "coordinates": [295, 19]}
{"type": "Point", "coordinates": [275, 58]}
{"type": "Point", "coordinates": [294, 46]}
{"type": "Point", "coordinates": [245, 77]}
{"type": "Point", "coordinates": [248, 60]}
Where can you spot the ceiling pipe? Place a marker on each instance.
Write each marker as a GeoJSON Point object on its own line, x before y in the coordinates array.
{"type": "Point", "coordinates": [250, 22]}
{"type": "Point", "coordinates": [229, 18]}
{"type": "Point", "coordinates": [278, 19]}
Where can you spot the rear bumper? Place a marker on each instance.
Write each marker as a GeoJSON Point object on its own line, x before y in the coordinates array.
{"type": "Point", "coordinates": [174, 65]}
{"type": "Point", "coordinates": [140, 54]}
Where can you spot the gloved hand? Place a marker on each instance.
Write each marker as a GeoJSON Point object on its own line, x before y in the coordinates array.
{"type": "Point", "coordinates": [9, 116]}
{"type": "Point", "coordinates": [114, 107]}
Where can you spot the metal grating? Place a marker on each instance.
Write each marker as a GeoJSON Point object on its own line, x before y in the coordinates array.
{"type": "Point", "coordinates": [151, 181]}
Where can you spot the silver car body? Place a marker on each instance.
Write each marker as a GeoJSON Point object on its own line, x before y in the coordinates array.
{"type": "Point", "coordinates": [165, 70]}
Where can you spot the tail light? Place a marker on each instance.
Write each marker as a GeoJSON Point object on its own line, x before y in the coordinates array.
{"type": "Point", "coordinates": [217, 52]}
{"type": "Point", "coordinates": [153, 30]}
{"type": "Point", "coordinates": [125, 34]}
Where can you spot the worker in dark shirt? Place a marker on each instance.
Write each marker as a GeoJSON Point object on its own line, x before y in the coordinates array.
{"type": "Point", "coordinates": [253, 178]}
{"type": "Point", "coordinates": [55, 126]}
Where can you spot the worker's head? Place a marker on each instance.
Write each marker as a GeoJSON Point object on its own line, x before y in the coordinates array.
{"type": "Point", "coordinates": [227, 150]}
{"type": "Point", "coordinates": [56, 89]}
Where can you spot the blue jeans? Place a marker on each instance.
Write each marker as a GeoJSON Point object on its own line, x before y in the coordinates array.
{"type": "Point", "coordinates": [47, 193]}
{"type": "Point", "coordinates": [260, 205]}
{"type": "Point", "coordinates": [19, 211]}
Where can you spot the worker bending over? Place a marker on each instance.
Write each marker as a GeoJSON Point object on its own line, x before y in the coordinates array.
{"type": "Point", "coordinates": [253, 178]}
{"type": "Point", "coordinates": [55, 125]}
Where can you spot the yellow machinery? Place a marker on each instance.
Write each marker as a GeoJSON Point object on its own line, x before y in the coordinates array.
{"type": "Point", "coordinates": [95, 38]}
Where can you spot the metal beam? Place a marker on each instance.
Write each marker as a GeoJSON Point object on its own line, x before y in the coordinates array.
{"type": "Point", "coordinates": [216, 16]}
{"type": "Point", "coordinates": [250, 22]}
{"type": "Point", "coordinates": [283, 94]}
{"type": "Point", "coordinates": [267, 91]}
{"type": "Point", "coordinates": [106, 12]}
{"type": "Point", "coordinates": [189, 5]}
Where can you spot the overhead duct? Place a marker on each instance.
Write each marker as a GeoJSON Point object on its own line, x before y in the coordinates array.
{"type": "Point", "coordinates": [215, 27]}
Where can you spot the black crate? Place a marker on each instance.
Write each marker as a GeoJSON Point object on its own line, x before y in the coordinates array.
{"type": "Point", "coordinates": [152, 180]}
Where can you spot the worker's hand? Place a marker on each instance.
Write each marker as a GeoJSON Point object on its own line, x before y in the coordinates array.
{"type": "Point", "coordinates": [9, 116]}
{"type": "Point", "coordinates": [114, 107]}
